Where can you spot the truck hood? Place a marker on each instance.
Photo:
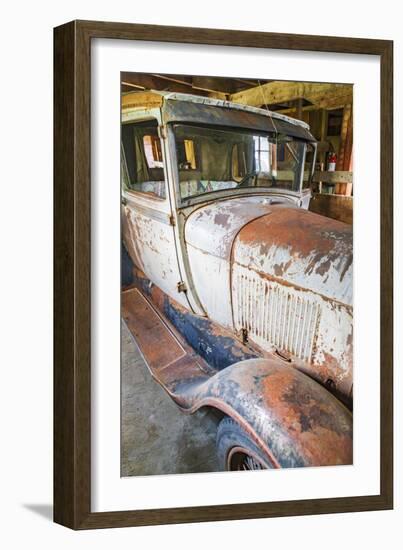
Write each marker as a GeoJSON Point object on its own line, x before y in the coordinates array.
{"type": "Point", "coordinates": [213, 228]}
{"type": "Point", "coordinates": [300, 248]}
{"type": "Point", "coordinates": [283, 243]}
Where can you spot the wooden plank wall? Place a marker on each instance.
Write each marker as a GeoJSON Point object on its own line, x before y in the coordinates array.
{"type": "Point", "coordinates": [337, 207]}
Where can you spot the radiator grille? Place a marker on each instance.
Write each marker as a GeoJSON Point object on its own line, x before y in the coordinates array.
{"type": "Point", "coordinates": [274, 314]}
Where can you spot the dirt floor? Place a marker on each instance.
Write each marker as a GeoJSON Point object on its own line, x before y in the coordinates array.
{"type": "Point", "coordinates": [157, 438]}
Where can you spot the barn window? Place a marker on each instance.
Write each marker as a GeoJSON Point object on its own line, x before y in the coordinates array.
{"type": "Point", "coordinates": [152, 150]}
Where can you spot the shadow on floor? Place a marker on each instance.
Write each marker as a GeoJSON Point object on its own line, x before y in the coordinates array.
{"type": "Point", "coordinates": [44, 510]}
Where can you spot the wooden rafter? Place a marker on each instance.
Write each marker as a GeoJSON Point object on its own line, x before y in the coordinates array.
{"type": "Point", "coordinates": [212, 86]}
{"type": "Point", "coordinates": [327, 103]}
{"type": "Point", "coordinates": [320, 95]}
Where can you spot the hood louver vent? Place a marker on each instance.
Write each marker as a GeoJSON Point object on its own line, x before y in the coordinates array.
{"type": "Point", "coordinates": [275, 315]}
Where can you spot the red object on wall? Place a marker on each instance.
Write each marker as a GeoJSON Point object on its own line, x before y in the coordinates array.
{"type": "Point", "coordinates": [331, 162]}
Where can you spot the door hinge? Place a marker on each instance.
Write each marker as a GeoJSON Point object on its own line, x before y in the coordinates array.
{"type": "Point", "coordinates": [172, 220]}
{"type": "Point", "coordinates": [181, 286]}
{"type": "Point", "coordinates": [162, 131]}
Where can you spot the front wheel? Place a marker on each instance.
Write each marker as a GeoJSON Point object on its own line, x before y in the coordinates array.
{"type": "Point", "coordinates": [236, 450]}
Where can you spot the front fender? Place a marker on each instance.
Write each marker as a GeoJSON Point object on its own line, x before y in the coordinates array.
{"type": "Point", "coordinates": [293, 419]}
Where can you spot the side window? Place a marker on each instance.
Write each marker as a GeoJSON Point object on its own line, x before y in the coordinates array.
{"type": "Point", "coordinates": [143, 155]}
{"type": "Point", "coordinates": [152, 150]}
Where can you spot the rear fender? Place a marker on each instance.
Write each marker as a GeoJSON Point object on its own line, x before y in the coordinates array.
{"type": "Point", "coordinates": [294, 420]}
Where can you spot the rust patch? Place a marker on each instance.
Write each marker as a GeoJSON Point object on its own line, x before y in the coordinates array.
{"type": "Point", "coordinates": [170, 360]}
{"type": "Point", "coordinates": [319, 426]}
{"type": "Point", "coordinates": [157, 343]}
{"type": "Point", "coordinates": [304, 234]}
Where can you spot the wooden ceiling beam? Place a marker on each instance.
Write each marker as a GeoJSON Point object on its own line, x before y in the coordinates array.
{"type": "Point", "coordinates": [214, 84]}
{"type": "Point", "coordinates": [195, 83]}
{"type": "Point", "coordinates": [147, 81]}
{"type": "Point", "coordinates": [173, 78]}
{"type": "Point", "coordinates": [279, 92]}
{"type": "Point", "coordinates": [217, 87]}
{"type": "Point", "coordinates": [133, 81]}
{"type": "Point", "coordinates": [251, 83]}
{"type": "Point", "coordinates": [338, 97]}
{"type": "Point", "coordinates": [328, 103]}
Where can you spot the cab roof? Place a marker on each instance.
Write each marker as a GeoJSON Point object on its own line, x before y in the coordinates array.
{"type": "Point", "coordinates": [156, 98]}
{"type": "Point", "coordinates": [179, 107]}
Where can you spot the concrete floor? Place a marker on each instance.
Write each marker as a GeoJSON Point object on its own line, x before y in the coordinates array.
{"type": "Point", "coordinates": [156, 437]}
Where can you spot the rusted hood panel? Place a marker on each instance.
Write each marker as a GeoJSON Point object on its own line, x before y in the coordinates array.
{"type": "Point", "coordinates": [298, 247]}
{"type": "Point", "coordinates": [212, 228]}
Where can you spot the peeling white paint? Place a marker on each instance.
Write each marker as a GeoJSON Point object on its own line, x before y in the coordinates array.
{"type": "Point", "coordinates": [302, 323]}
{"type": "Point", "coordinates": [154, 241]}
{"type": "Point", "coordinates": [212, 228]}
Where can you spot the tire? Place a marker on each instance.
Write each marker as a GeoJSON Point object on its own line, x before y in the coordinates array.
{"type": "Point", "coordinates": [236, 450]}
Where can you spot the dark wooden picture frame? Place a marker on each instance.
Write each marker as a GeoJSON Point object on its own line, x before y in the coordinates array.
{"type": "Point", "coordinates": [72, 270]}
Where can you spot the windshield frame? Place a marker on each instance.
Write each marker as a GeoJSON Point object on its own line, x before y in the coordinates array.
{"type": "Point", "coordinates": [208, 196]}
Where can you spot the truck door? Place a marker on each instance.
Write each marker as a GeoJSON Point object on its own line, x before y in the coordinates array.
{"type": "Point", "coordinates": [148, 233]}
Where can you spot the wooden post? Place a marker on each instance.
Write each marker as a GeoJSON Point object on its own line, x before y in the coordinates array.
{"type": "Point", "coordinates": [348, 153]}
{"type": "Point", "coordinates": [323, 136]}
{"type": "Point", "coordinates": [345, 146]}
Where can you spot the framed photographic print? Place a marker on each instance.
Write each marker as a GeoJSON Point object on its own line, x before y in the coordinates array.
{"type": "Point", "coordinates": [223, 275]}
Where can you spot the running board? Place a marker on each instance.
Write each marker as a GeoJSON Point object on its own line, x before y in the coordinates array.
{"type": "Point", "coordinates": [171, 361]}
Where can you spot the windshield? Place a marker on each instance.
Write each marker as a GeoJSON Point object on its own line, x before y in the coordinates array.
{"type": "Point", "coordinates": [211, 159]}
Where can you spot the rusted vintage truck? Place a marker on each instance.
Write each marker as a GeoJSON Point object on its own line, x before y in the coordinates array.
{"type": "Point", "coordinates": [239, 298]}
